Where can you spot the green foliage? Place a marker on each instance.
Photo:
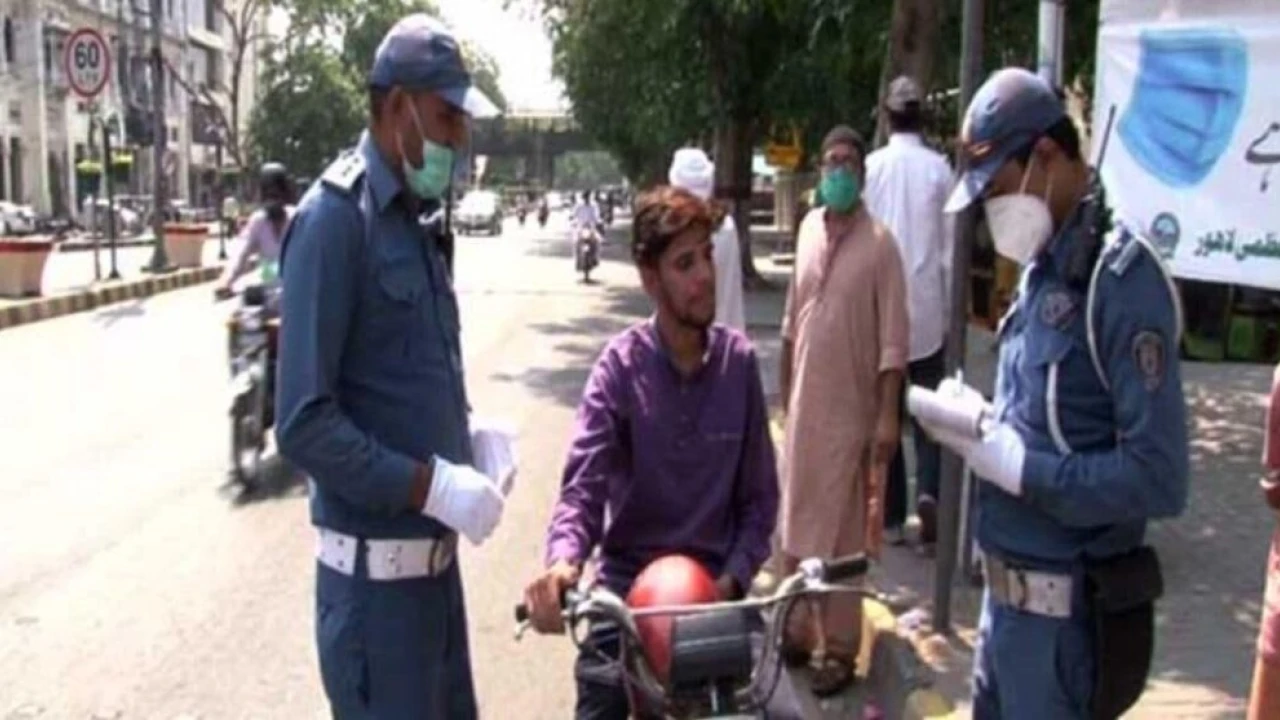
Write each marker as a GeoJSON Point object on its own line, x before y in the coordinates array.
{"type": "Point", "coordinates": [310, 109]}
{"type": "Point", "coordinates": [314, 101]}
{"type": "Point", "coordinates": [646, 76]}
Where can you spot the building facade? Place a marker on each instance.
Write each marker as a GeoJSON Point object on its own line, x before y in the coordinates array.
{"type": "Point", "coordinates": [46, 129]}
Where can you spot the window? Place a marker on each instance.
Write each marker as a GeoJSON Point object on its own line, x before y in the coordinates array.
{"type": "Point", "coordinates": [8, 41]}
{"type": "Point", "coordinates": [213, 69]}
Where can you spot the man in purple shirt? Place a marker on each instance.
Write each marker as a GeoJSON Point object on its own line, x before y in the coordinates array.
{"type": "Point", "coordinates": [671, 453]}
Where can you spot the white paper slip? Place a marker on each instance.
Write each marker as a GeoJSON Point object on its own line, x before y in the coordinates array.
{"type": "Point", "coordinates": [493, 450]}
{"type": "Point", "coordinates": [955, 415]}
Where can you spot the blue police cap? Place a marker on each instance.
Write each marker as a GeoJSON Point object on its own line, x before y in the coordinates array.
{"type": "Point", "coordinates": [1011, 109]}
{"type": "Point", "coordinates": [419, 53]}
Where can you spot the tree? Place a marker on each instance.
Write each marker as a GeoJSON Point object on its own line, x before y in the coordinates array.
{"type": "Point", "coordinates": [362, 25]}
{"type": "Point", "coordinates": [309, 109]}
{"type": "Point", "coordinates": [314, 101]}
{"type": "Point", "coordinates": [245, 21]}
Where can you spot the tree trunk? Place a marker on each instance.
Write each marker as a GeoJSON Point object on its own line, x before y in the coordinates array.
{"type": "Point", "coordinates": [913, 41]}
{"type": "Point", "coordinates": [733, 146]}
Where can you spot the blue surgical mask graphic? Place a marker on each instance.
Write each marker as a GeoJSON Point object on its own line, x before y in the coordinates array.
{"type": "Point", "coordinates": [1186, 102]}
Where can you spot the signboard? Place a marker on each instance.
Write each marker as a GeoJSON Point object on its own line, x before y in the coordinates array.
{"type": "Point", "coordinates": [87, 62]}
{"type": "Point", "coordinates": [785, 157]}
{"type": "Point", "coordinates": [1193, 153]}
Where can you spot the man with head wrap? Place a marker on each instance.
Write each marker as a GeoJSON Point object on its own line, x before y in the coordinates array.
{"type": "Point", "coordinates": [692, 170]}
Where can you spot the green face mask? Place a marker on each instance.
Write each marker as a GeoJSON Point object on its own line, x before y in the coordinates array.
{"type": "Point", "coordinates": [432, 179]}
{"type": "Point", "coordinates": [839, 189]}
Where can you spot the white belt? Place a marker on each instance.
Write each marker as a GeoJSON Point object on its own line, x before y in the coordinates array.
{"type": "Point", "coordinates": [1040, 593]}
{"type": "Point", "coordinates": [387, 559]}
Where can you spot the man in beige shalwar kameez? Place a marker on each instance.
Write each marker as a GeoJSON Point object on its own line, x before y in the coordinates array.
{"type": "Point", "coordinates": [845, 344]}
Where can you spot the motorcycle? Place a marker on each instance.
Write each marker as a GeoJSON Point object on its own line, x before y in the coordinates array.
{"type": "Point", "coordinates": [606, 214]}
{"type": "Point", "coordinates": [520, 215]}
{"type": "Point", "coordinates": [714, 671]}
{"type": "Point", "coordinates": [252, 333]}
{"type": "Point", "coordinates": [543, 213]}
{"type": "Point", "coordinates": [586, 252]}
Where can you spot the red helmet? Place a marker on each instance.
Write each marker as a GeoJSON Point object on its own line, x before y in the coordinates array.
{"type": "Point", "coordinates": [669, 580]}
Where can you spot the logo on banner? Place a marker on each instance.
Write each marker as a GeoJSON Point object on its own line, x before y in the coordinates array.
{"type": "Point", "coordinates": [1165, 233]}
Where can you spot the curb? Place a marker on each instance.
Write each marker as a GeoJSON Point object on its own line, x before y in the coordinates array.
{"type": "Point", "coordinates": [76, 302]}
{"type": "Point", "coordinates": [900, 682]}
{"type": "Point", "coordinates": [104, 246]}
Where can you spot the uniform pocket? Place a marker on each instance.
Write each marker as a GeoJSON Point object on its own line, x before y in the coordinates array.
{"type": "Point", "coordinates": [399, 317]}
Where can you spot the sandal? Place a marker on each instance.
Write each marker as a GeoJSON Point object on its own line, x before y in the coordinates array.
{"type": "Point", "coordinates": [832, 675]}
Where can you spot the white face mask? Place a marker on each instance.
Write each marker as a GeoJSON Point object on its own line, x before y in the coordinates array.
{"type": "Point", "coordinates": [1020, 224]}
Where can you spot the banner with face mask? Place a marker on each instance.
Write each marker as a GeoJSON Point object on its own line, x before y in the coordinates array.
{"type": "Point", "coordinates": [1196, 133]}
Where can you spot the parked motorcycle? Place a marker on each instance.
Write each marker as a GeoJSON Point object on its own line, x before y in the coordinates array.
{"type": "Point", "coordinates": [586, 253]}
{"type": "Point", "coordinates": [251, 351]}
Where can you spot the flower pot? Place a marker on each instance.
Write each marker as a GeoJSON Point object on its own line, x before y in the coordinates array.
{"type": "Point", "coordinates": [184, 244]}
{"type": "Point", "coordinates": [22, 263]}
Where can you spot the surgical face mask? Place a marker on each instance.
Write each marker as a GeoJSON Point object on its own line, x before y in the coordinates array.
{"type": "Point", "coordinates": [432, 179]}
{"type": "Point", "coordinates": [1020, 224]}
{"type": "Point", "coordinates": [1187, 100]}
{"type": "Point", "coordinates": [839, 189]}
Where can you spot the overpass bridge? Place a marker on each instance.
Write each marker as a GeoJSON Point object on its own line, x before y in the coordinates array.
{"type": "Point", "coordinates": [537, 136]}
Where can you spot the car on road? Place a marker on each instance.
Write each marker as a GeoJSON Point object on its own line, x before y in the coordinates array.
{"type": "Point", "coordinates": [17, 219]}
{"type": "Point", "coordinates": [480, 210]}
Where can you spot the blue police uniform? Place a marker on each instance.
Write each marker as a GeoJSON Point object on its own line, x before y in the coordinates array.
{"type": "Point", "coordinates": [1105, 451]}
{"type": "Point", "coordinates": [1088, 377]}
{"type": "Point", "coordinates": [370, 386]}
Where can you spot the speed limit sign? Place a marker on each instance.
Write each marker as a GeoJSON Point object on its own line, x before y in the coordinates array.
{"type": "Point", "coordinates": [87, 62]}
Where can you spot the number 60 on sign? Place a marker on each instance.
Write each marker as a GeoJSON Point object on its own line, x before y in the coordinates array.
{"type": "Point", "coordinates": [87, 62]}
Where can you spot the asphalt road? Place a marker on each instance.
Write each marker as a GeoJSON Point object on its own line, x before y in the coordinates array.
{"type": "Point", "coordinates": [135, 584]}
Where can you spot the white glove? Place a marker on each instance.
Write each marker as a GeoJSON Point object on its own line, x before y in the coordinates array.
{"type": "Point", "coordinates": [965, 395]}
{"type": "Point", "coordinates": [465, 500]}
{"type": "Point", "coordinates": [493, 450]}
{"type": "Point", "coordinates": [998, 458]}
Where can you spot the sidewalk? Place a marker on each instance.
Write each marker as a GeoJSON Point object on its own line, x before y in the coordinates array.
{"type": "Point", "coordinates": [70, 285]}
{"type": "Point", "coordinates": [1213, 556]}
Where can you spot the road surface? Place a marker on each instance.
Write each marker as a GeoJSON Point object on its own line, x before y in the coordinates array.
{"type": "Point", "coordinates": [135, 584]}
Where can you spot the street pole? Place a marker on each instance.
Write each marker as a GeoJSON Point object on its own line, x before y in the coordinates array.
{"type": "Point", "coordinates": [1049, 61]}
{"type": "Point", "coordinates": [159, 135]}
{"type": "Point", "coordinates": [219, 194]}
{"type": "Point", "coordinates": [951, 488]}
{"type": "Point", "coordinates": [96, 124]}
{"type": "Point", "coordinates": [107, 127]}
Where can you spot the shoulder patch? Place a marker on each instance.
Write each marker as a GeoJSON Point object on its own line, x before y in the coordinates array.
{"type": "Point", "coordinates": [345, 172]}
{"type": "Point", "coordinates": [1148, 355]}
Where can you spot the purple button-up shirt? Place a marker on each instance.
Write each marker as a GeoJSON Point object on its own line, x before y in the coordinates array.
{"type": "Point", "coordinates": [663, 463]}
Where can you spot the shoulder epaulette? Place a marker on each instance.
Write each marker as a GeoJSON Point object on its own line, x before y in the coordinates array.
{"type": "Point", "coordinates": [344, 173]}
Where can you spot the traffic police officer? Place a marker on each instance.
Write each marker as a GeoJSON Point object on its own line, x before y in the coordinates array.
{"type": "Point", "coordinates": [371, 401]}
{"type": "Point", "coordinates": [1089, 440]}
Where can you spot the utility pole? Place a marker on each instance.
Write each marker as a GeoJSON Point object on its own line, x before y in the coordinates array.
{"type": "Point", "coordinates": [1049, 63]}
{"type": "Point", "coordinates": [159, 136]}
{"type": "Point", "coordinates": [951, 488]}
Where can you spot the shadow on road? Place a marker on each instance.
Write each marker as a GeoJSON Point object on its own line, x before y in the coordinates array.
{"type": "Point", "coordinates": [583, 338]}
{"type": "Point", "coordinates": [113, 314]}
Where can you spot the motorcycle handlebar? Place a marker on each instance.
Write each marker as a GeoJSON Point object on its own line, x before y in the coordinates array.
{"type": "Point", "coordinates": [815, 570]}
